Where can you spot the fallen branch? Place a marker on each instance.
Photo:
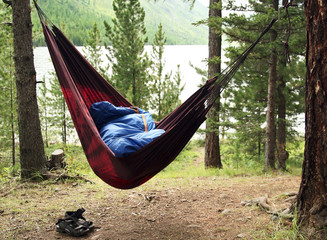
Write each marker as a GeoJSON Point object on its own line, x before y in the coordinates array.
{"type": "Point", "coordinates": [63, 176]}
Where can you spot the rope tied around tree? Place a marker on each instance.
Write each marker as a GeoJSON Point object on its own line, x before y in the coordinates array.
{"type": "Point", "coordinates": [286, 45]}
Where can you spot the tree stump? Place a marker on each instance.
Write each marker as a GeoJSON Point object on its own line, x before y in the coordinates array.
{"type": "Point", "coordinates": [57, 159]}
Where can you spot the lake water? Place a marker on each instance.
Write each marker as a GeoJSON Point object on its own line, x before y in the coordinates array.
{"type": "Point", "coordinates": [174, 55]}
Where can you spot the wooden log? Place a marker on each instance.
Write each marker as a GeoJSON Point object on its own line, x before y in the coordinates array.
{"type": "Point", "coordinates": [57, 159]}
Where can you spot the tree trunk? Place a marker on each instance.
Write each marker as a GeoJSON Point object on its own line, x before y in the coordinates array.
{"type": "Point", "coordinates": [32, 157]}
{"type": "Point", "coordinates": [259, 146]}
{"type": "Point", "coordinates": [270, 117]}
{"type": "Point", "coordinates": [282, 154]}
{"type": "Point", "coordinates": [212, 149]}
{"type": "Point", "coordinates": [12, 115]}
{"type": "Point", "coordinates": [312, 197]}
{"type": "Point", "coordinates": [271, 102]}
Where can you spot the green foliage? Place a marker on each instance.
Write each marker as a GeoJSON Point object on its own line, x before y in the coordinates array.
{"type": "Point", "coordinates": [8, 105]}
{"type": "Point", "coordinates": [8, 172]}
{"type": "Point", "coordinates": [183, 161]}
{"type": "Point", "coordinates": [236, 159]}
{"type": "Point", "coordinates": [246, 97]}
{"type": "Point", "coordinates": [93, 52]}
{"type": "Point", "coordinates": [165, 91]}
{"type": "Point", "coordinates": [278, 230]}
{"type": "Point", "coordinates": [296, 156]}
{"type": "Point", "coordinates": [237, 154]}
{"type": "Point", "coordinates": [76, 14]}
{"type": "Point", "coordinates": [80, 15]}
{"type": "Point", "coordinates": [56, 123]}
{"type": "Point", "coordinates": [43, 101]}
{"type": "Point", "coordinates": [76, 162]}
{"type": "Point", "coordinates": [130, 63]}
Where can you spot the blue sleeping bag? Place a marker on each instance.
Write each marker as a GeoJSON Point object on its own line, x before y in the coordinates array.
{"type": "Point", "coordinates": [125, 130]}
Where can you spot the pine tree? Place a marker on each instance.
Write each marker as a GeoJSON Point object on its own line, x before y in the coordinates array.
{"type": "Point", "coordinates": [130, 63]}
{"type": "Point", "coordinates": [311, 199]}
{"type": "Point", "coordinates": [172, 89]}
{"type": "Point", "coordinates": [247, 98]}
{"type": "Point", "coordinates": [93, 51]}
{"type": "Point", "coordinates": [165, 91]}
{"type": "Point", "coordinates": [43, 100]}
{"type": "Point", "coordinates": [32, 156]}
{"type": "Point", "coordinates": [59, 119]}
{"type": "Point", "coordinates": [212, 144]}
{"type": "Point", "coordinates": [8, 106]}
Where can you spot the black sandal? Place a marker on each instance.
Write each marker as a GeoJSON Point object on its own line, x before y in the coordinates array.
{"type": "Point", "coordinates": [74, 224]}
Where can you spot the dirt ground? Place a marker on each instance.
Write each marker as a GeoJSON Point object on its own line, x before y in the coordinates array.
{"type": "Point", "coordinates": [191, 209]}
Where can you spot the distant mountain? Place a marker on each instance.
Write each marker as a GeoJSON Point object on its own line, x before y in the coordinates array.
{"type": "Point", "coordinates": [76, 18]}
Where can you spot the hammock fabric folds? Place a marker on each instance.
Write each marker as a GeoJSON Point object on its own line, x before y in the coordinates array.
{"type": "Point", "coordinates": [82, 86]}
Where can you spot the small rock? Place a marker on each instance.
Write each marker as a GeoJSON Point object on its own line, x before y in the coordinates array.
{"type": "Point", "coordinates": [226, 211]}
{"type": "Point", "coordinates": [151, 219]}
{"type": "Point", "coordinates": [223, 196]}
{"type": "Point", "coordinates": [96, 237]}
{"type": "Point", "coordinates": [241, 235]}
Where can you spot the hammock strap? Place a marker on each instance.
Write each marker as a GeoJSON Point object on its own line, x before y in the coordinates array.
{"type": "Point", "coordinates": [286, 45]}
{"type": "Point", "coordinates": [42, 15]}
{"type": "Point", "coordinates": [227, 74]}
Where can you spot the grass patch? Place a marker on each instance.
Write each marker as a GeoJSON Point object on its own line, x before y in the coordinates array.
{"type": "Point", "coordinates": [37, 206]}
{"type": "Point", "coordinates": [190, 163]}
{"type": "Point", "coordinates": [282, 231]}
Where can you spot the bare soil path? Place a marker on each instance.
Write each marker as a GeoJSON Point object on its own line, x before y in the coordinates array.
{"type": "Point", "coordinates": [176, 209]}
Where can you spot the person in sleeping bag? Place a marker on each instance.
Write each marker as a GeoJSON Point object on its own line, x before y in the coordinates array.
{"type": "Point", "coordinates": [124, 129]}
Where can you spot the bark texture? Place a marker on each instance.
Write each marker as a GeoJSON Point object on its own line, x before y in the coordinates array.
{"type": "Point", "coordinates": [32, 157]}
{"type": "Point", "coordinates": [270, 115]}
{"type": "Point", "coordinates": [312, 197]}
{"type": "Point", "coordinates": [212, 148]}
{"type": "Point", "coordinates": [271, 103]}
{"type": "Point", "coordinates": [282, 154]}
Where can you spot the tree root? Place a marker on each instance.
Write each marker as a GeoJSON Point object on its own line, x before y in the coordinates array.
{"type": "Point", "coordinates": [264, 204]}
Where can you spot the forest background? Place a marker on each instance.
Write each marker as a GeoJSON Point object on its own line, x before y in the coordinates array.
{"type": "Point", "coordinates": [244, 103]}
{"type": "Point", "coordinates": [242, 123]}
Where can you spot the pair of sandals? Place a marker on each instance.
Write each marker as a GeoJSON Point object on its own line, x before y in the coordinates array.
{"type": "Point", "coordinates": [74, 224]}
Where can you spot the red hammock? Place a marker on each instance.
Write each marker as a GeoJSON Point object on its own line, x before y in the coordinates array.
{"type": "Point", "coordinates": [82, 86]}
